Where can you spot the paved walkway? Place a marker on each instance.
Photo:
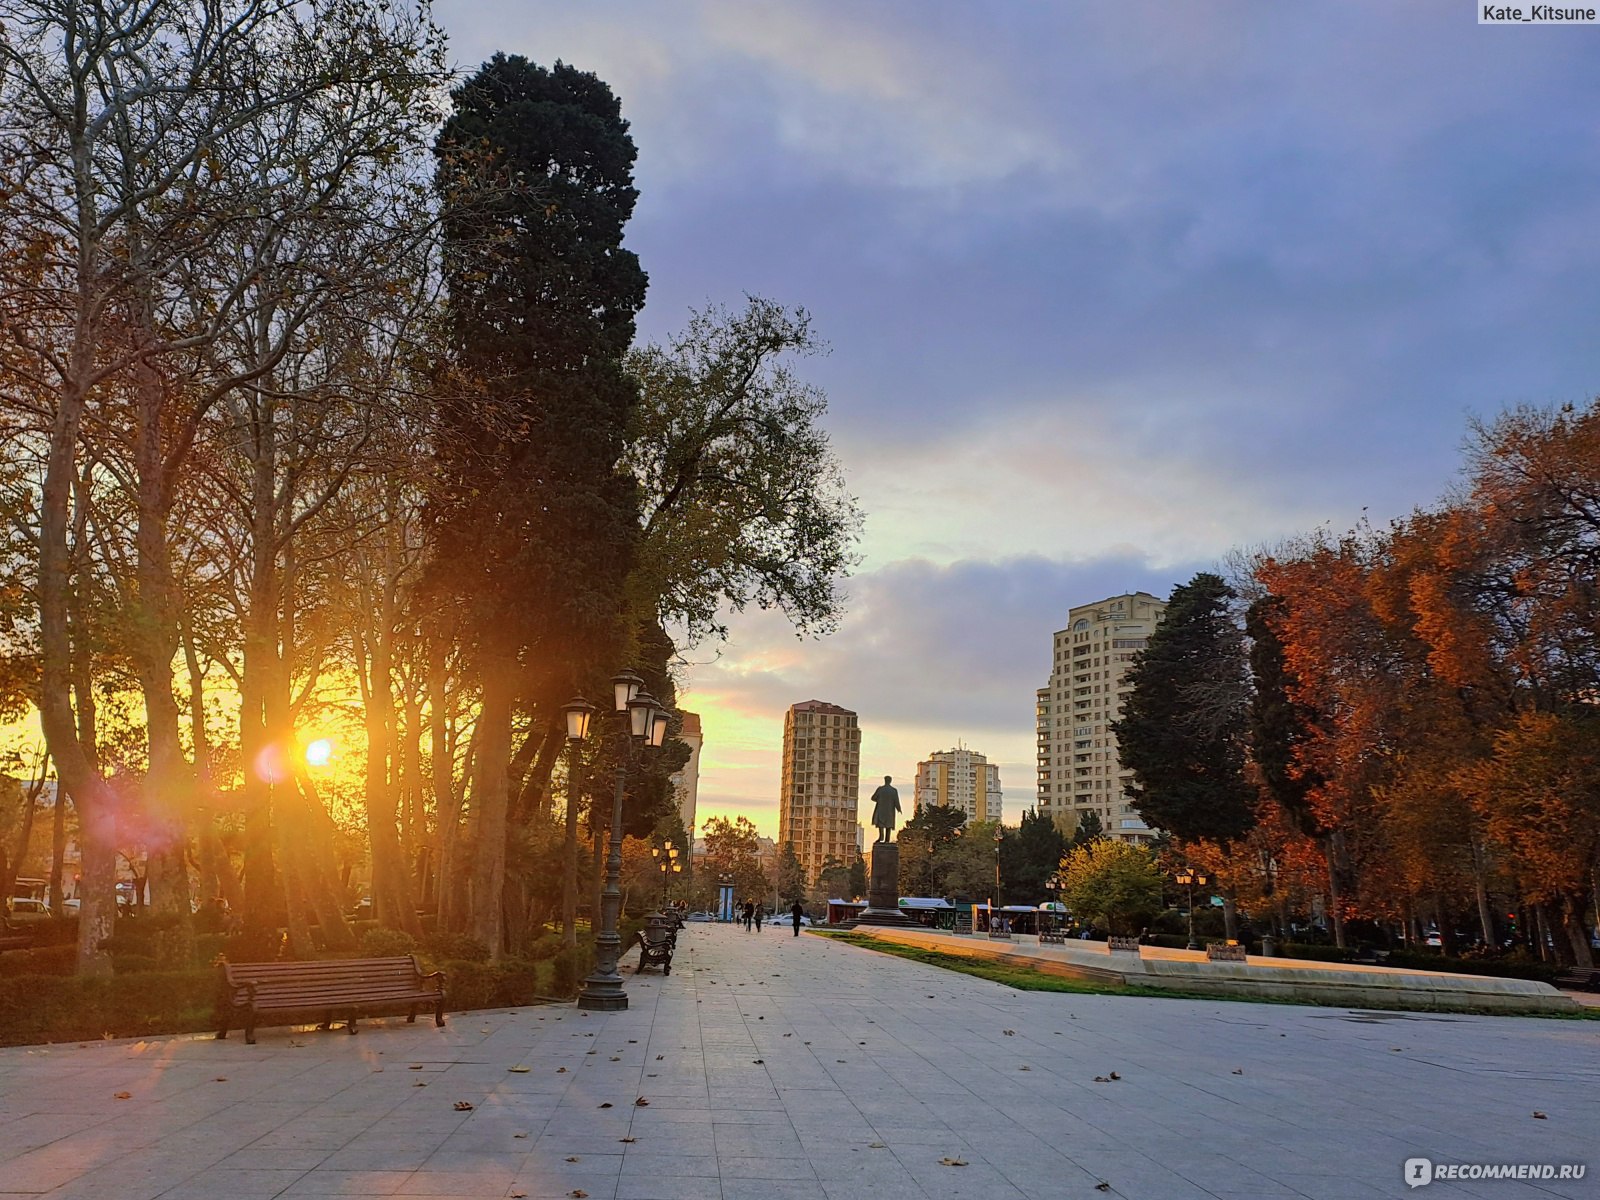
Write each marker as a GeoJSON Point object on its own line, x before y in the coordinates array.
{"type": "Point", "coordinates": [769, 1067]}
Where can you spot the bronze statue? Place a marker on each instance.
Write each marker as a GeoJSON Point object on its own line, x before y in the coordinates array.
{"type": "Point", "coordinates": [885, 804]}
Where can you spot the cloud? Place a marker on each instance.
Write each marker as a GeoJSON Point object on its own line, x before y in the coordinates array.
{"type": "Point", "coordinates": [928, 655]}
{"type": "Point", "coordinates": [1110, 289]}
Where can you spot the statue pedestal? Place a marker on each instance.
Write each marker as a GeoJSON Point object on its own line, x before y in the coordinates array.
{"type": "Point", "coordinates": [883, 889]}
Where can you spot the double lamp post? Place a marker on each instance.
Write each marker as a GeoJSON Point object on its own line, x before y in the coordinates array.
{"type": "Point", "coordinates": [644, 721]}
{"type": "Point", "coordinates": [1188, 877]}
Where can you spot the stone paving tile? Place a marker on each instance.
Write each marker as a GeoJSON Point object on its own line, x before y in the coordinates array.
{"type": "Point", "coordinates": [1325, 1105]}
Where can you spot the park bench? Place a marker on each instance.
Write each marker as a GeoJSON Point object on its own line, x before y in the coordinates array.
{"type": "Point", "coordinates": [1052, 937]}
{"type": "Point", "coordinates": [328, 990]}
{"type": "Point", "coordinates": [14, 937]}
{"type": "Point", "coordinates": [1000, 930]}
{"type": "Point", "coordinates": [657, 941]}
{"type": "Point", "coordinates": [1123, 945]}
{"type": "Point", "coordinates": [1580, 979]}
{"type": "Point", "coordinates": [1224, 952]}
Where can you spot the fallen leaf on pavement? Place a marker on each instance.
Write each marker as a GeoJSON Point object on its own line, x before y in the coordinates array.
{"type": "Point", "coordinates": [572, 1158]}
{"type": "Point", "coordinates": [1539, 1116]}
{"type": "Point", "coordinates": [659, 1057]}
{"type": "Point", "coordinates": [1102, 1186]}
{"type": "Point", "coordinates": [1114, 1075]}
{"type": "Point", "coordinates": [628, 1139]}
{"type": "Point", "coordinates": [123, 1096]}
{"type": "Point", "coordinates": [607, 1104]}
{"type": "Point", "coordinates": [952, 1162]}
{"type": "Point", "coordinates": [875, 1145]}
{"type": "Point", "coordinates": [759, 1061]}
{"type": "Point", "coordinates": [414, 1067]}
{"type": "Point", "coordinates": [463, 1106]}
{"type": "Point", "coordinates": [220, 1079]}
{"type": "Point", "coordinates": [1238, 1070]}
{"type": "Point", "coordinates": [561, 1070]}
{"type": "Point", "coordinates": [1024, 1068]}
{"type": "Point", "coordinates": [1101, 1079]}
{"type": "Point", "coordinates": [641, 1102]}
{"type": "Point", "coordinates": [518, 1070]}
{"type": "Point", "coordinates": [577, 1192]}
{"type": "Point", "coordinates": [1009, 1032]}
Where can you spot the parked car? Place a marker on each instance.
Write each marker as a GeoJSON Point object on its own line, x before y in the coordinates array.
{"type": "Point", "coordinates": [700, 916]}
{"type": "Point", "coordinates": [29, 909]}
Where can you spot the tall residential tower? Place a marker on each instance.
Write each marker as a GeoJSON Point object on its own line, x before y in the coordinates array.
{"type": "Point", "coordinates": [963, 779]}
{"type": "Point", "coordinates": [821, 784]}
{"type": "Point", "coordinates": [1079, 768]}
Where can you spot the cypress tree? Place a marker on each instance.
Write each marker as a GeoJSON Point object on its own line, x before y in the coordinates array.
{"type": "Point", "coordinates": [1184, 725]}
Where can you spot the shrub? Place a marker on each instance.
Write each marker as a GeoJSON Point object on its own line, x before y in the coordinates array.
{"type": "Point", "coordinates": [132, 964]}
{"type": "Point", "coordinates": [509, 983]}
{"type": "Point", "coordinates": [386, 943]}
{"type": "Point", "coordinates": [52, 1008]}
{"type": "Point", "coordinates": [1314, 953]}
{"type": "Point", "coordinates": [546, 945]}
{"type": "Point", "coordinates": [43, 960]}
{"type": "Point", "coordinates": [1511, 967]}
{"type": "Point", "coordinates": [454, 947]}
{"type": "Point", "coordinates": [567, 967]}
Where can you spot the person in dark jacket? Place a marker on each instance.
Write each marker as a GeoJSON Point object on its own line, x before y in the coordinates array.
{"type": "Point", "coordinates": [749, 914]}
{"type": "Point", "coordinates": [796, 912]}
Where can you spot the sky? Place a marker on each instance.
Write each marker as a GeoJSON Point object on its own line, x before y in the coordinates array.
{"type": "Point", "coordinates": [1111, 289]}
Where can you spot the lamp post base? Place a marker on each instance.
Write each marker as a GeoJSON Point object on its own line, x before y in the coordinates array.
{"type": "Point", "coordinates": [601, 994]}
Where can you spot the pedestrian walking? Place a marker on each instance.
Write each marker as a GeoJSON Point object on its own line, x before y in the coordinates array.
{"type": "Point", "coordinates": [795, 913]}
{"type": "Point", "coordinates": [760, 912]}
{"type": "Point", "coordinates": [749, 914]}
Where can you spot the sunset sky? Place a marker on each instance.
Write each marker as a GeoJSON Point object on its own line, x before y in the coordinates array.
{"type": "Point", "coordinates": [1110, 289]}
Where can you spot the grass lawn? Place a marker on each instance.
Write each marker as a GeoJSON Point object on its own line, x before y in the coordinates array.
{"type": "Point", "coordinates": [1028, 979]}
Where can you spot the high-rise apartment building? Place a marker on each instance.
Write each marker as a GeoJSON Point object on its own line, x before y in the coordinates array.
{"type": "Point", "coordinates": [821, 784]}
{"type": "Point", "coordinates": [1078, 765]}
{"type": "Point", "coordinates": [963, 779]}
{"type": "Point", "coordinates": [686, 782]}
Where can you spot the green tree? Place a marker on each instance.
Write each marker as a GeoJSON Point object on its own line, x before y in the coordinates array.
{"type": "Point", "coordinates": [833, 882]}
{"type": "Point", "coordinates": [1089, 828]}
{"type": "Point", "coordinates": [1185, 722]}
{"type": "Point", "coordinates": [733, 853]}
{"type": "Point", "coordinates": [791, 875]}
{"type": "Point", "coordinates": [742, 499]}
{"type": "Point", "coordinates": [1112, 884]}
{"type": "Point", "coordinates": [858, 878]}
{"type": "Point", "coordinates": [1029, 855]}
{"type": "Point", "coordinates": [534, 520]}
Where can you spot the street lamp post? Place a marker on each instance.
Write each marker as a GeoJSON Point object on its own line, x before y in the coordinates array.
{"type": "Point", "coordinates": [645, 724]}
{"type": "Point", "coordinates": [666, 857]}
{"type": "Point", "coordinates": [1188, 878]}
{"type": "Point", "coordinates": [579, 712]}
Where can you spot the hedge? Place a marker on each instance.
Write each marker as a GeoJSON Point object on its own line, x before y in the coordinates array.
{"type": "Point", "coordinates": [37, 1008]}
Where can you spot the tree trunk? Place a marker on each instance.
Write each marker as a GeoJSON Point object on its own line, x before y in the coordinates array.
{"type": "Point", "coordinates": [168, 789]}
{"type": "Point", "coordinates": [13, 863]}
{"type": "Point", "coordinates": [569, 854]}
{"type": "Point", "coordinates": [1335, 896]}
{"type": "Point", "coordinates": [392, 902]}
{"type": "Point", "coordinates": [75, 766]}
{"type": "Point", "coordinates": [58, 853]}
{"type": "Point", "coordinates": [489, 805]}
{"type": "Point", "coordinates": [1481, 891]}
{"type": "Point", "coordinates": [1574, 916]}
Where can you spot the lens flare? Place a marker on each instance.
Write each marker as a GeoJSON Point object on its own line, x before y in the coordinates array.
{"type": "Point", "coordinates": [319, 752]}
